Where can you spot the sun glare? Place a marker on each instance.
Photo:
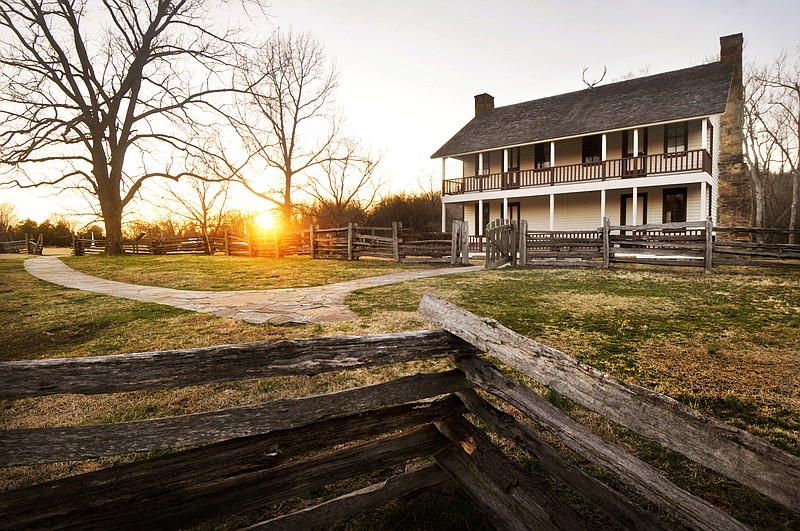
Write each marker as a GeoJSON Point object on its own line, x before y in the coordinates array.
{"type": "Point", "coordinates": [265, 221]}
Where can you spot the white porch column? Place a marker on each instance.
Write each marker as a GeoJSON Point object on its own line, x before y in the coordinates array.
{"type": "Point", "coordinates": [444, 168]}
{"type": "Point", "coordinates": [552, 211]}
{"type": "Point", "coordinates": [505, 161]}
{"type": "Point", "coordinates": [636, 142]}
{"type": "Point", "coordinates": [604, 151]}
{"type": "Point", "coordinates": [505, 208]}
{"type": "Point", "coordinates": [444, 217]}
{"type": "Point", "coordinates": [552, 154]}
{"type": "Point", "coordinates": [704, 140]}
{"type": "Point", "coordinates": [635, 205]}
{"type": "Point", "coordinates": [703, 198]}
{"type": "Point", "coordinates": [602, 205]}
{"type": "Point", "coordinates": [481, 223]}
{"type": "Point", "coordinates": [480, 163]}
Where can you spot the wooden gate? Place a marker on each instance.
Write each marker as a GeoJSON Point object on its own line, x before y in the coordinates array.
{"type": "Point", "coordinates": [501, 243]}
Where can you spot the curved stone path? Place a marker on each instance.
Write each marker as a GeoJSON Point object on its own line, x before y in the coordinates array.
{"type": "Point", "coordinates": [319, 304]}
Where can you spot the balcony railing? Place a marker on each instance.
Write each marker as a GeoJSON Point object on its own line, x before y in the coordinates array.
{"type": "Point", "coordinates": [688, 161]}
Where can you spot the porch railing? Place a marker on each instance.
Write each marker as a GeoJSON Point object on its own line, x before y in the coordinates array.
{"type": "Point", "coordinates": [698, 160]}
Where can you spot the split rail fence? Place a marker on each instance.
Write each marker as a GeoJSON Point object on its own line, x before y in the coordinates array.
{"type": "Point", "coordinates": [343, 243]}
{"type": "Point", "coordinates": [26, 246]}
{"type": "Point", "coordinates": [255, 456]}
{"type": "Point", "coordinates": [699, 244]}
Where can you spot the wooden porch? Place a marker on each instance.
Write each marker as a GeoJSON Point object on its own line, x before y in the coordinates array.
{"type": "Point", "coordinates": [698, 160]}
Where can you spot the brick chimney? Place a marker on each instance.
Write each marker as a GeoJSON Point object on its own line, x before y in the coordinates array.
{"type": "Point", "coordinates": [483, 103]}
{"type": "Point", "coordinates": [735, 202]}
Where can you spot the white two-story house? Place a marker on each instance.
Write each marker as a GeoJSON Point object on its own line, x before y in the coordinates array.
{"type": "Point", "coordinates": [645, 150]}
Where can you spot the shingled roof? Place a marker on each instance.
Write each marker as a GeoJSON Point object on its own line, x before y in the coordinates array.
{"type": "Point", "coordinates": [697, 91]}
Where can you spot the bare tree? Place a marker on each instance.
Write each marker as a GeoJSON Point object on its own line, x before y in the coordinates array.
{"type": "Point", "coordinates": [203, 203]}
{"type": "Point", "coordinates": [772, 129]}
{"type": "Point", "coordinates": [101, 96]}
{"type": "Point", "coordinates": [7, 217]}
{"type": "Point", "coordinates": [347, 186]}
{"type": "Point", "coordinates": [288, 123]}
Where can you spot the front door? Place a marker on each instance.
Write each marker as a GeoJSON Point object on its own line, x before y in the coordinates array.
{"type": "Point", "coordinates": [626, 209]}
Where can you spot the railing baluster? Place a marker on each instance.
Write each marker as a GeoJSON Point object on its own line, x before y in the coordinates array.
{"type": "Point", "coordinates": [694, 160]}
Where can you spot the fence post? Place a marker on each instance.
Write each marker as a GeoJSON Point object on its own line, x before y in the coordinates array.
{"type": "Point", "coordinates": [514, 241]}
{"type": "Point", "coordinates": [465, 243]}
{"type": "Point", "coordinates": [250, 242]}
{"type": "Point", "coordinates": [396, 241]}
{"type": "Point", "coordinates": [454, 239]}
{"type": "Point", "coordinates": [276, 235]}
{"type": "Point", "coordinates": [349, 241]}
{"type": "Point", "coordinates": [523, 242]}
{"type": "Point", "coordinates": [312, 247]}
{"type": "Point", "coordinates": [27, 243]}
{"type": "Point", "coordinates": [225, 244]}
{"type": "Point", "coordinates": [606, 243]}
{"type": "Point", "coordinates": [709, 244]}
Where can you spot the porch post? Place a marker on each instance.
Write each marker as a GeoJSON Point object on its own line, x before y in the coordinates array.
{"type": "Point", "coordinates": [444, 217]}
{"type": "Point", "coordinates": [704, 140]}
{"type": "Point", "coordinates": [479, 228]}
{"type": "Point", "coordinates": [635, 201]}
{"type": "Point", "coordinates": [505, 161]}
{"type": "Point", "coordinates": [552, 210]}
{"type": "Point", "coordinates": [480, 163]}
{"type": "Point", "coordinates": [636, 142]}
{"type": "Point", "coordinates": [444, 168]}
{"type": "Point", "coordinates": [604, 152]}
{"type": "Point", "coordinates": [703, 199]}
{"type": "Point", "coordinates": [552, 154]}
{"type": "Point", "coordinates": [505, 208]}
{"type": "Point", "coordinates": [602, 205]}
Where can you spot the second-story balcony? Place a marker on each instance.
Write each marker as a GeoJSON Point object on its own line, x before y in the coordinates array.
{"type": "Point", "coordinates": [698, 160]}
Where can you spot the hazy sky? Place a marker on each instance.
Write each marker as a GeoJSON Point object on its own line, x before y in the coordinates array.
{"type": "Point", "coordinates": [409, 69]}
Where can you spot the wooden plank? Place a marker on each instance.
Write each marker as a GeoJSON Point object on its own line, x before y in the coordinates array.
{"type": "Point", "coordinates": [261, 359]}
{"type": "Point", "coordinates": [41, 445]}
{"type": "Point", "coordinates": [243, 490]}
{"type": "Point", "coordinates": [757, 263]}
{"type": "Point", "coordinates": [728, 450]}
{"type": "Point", "coordinates": [657, 261]}
{"type": "Point", "coordinates": [358, 502]}
{"type": "Point", "coordinates": [163, 481]}
{"type": "Point", "coordinates": [661, 226]}
{"type": "Point", "coordinates": [626, 513]}
{"type": "Point", "coordinates": [537, 507]}
{"type": "Point", "coordinates": [693, 511]}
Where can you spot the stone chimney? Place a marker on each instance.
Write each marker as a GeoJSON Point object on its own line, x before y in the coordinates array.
{"type": "Point", "coordinates": [483, 103]}
{"type": "Point", "coordinates": [735, 204]}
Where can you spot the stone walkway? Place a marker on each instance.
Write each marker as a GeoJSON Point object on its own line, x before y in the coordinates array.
{"type": "Point", "coordinates": [320, 304]}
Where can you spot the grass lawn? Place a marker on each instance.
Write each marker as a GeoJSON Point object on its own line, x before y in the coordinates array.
{"type": "Point", "coordinates": [727, 344]}
{"type": "Point", "coordinates": [220, 273]}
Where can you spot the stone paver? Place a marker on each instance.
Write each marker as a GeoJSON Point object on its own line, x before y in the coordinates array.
{"type": "Point", "coordinates": [319, 304]}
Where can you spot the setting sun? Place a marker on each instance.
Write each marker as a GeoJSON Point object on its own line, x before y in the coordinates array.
{"type": "Point", "coordinates": [265, 221]}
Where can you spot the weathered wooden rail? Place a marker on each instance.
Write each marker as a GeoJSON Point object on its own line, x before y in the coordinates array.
{"type": "Point", "coordinates": [26, 246]}
{"type": "Point", "coordinates": [343, 243]}
{"type": "Point", "coordinates": [697, 244]}
{"type": "Point", "coordinates": [252, 456]}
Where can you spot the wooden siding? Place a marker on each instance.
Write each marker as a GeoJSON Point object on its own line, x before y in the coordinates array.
{"type": "Point", "coordinates": [614, 145]}
{"type": "Point", "coordinates": [569, 151]}
{"type": "Point", "coordinates": [526, 159]}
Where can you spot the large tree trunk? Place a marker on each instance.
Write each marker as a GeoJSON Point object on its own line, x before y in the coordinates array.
{"type": "Point", "coordinates": [111, 208]}
{"type": "Point", "coordinates": [287, 203]}
{"type": "Point", "coordinates": [795, 201]}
